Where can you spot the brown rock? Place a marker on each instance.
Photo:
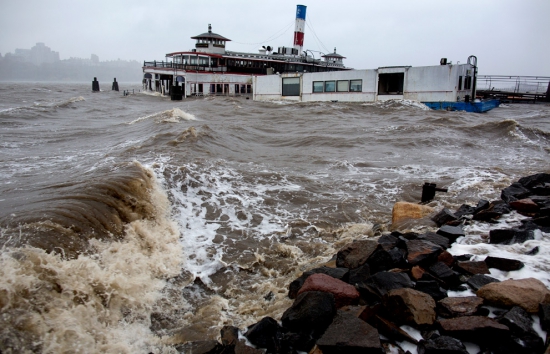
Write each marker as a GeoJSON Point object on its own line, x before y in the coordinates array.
{"type": "Point", "coordinates": [344, 293]}
{"type": "Point", "coordinates": [417, 272]}
{"type": "Point", "coordinates": [446, 258]}
{"type": "Point", "coordinates": [349, 334]}
{"type": "Point", "coordinates": [473, 267]}
{"type": "Point", "coordinates": [355, 254]}
{"type": "Point", "coordinates": [477, 329]}
{"type": "Point", "coordinates": [459, 306]}
{"type": "Point", "coordinates": [391, 330]}
{"type": "Point", "coordinates": [242, 348]}
{"type": "Point", "coordinates": [526, 293]}
{"type": "Point", "coordinates": [403, 210]}
{"type": "Point", "coordinates": [525, 206]}
{"type": "Point", "coordinates": [410, 306]}
{"type": "Point", "coordinates": [422, 251]}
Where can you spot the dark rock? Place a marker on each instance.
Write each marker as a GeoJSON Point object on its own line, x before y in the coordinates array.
{"type": "Point", "coordinates": [542, 223]}
{"type": "Point", "coordinates": [432, 288]}
{"type": "Point", "coordinates": [500, 206]}
{"type": "Point", "coordinates": [348, 334]}
{"type": "Point", "coordinates": [390, 330]}
{"type": "Point", "coordinates": [459, 306]}
{"type": "Point", "coordinates": [451, 232]}
{"type": "Point", "coordinates": [504, 264]}
{"type": "Point", "coordinates": [472, 267]}
{"type": "Point", "coordinates": [544, 315]}
{"type": "Point", "coordinates": [229, 335]}
{"type": "Point", "coordinates": [409, 306]}
{"type": "Point", "coordinates": [463, 257]}
{"type": "Point", "coordinates": [388, 240]}
{"type": "Point", "coordinates": [201, 347]}
{"type": "Point", "coordinates": [510, 236]}
{"type": "Point", "coordinates": [359, 275]}
{"type": "Point", "coordinates": [521, 325]}
{"type": "Point", "coordinates": [487, 215]}
{"type": "Point", "coordinates": [444, 216]}
{"type": "Point", "coordinates": [445, 274]}
{"type": "Point", "coordinates": [464, 209]}
{"type": "Point", "coordinates": [382, 259]}
{"type": "Point", "coordinates": [533, 252]}
{"type": "Point", "coordinates": [265, 334]}
{"type": "Point", "coordinates": [344, 293]}
{"type": "Point", "coordinates": [477, 329]}
{"type": "Point", "coordinates": [422, 252]}
{"type": "Point", "coordinates": [446, 258]}
{"type": "Point", "coordinates": [482, 204]}
{"type": "Point", "coordinates": [309, 316]}
{"type": "Point", "coordinates": [355, 254]}
{"type": "Point", "coordinates": [441, 345]}
{"type": "Point", "coordinates": [515, 192]}
{"type": "Point", "coordinates": [439, 240]}
{"type": "Point", "coordinates": [479, 280]}
{"type": "Point", "coordinates": [296, 285]}
{"type": "Point", "coordinates": [535, 181]}
{"type": "Point", "coordinates": [382, 282]}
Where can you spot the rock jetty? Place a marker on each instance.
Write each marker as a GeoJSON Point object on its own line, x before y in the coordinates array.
{"type": "Point", "coordinates": [379, 286]}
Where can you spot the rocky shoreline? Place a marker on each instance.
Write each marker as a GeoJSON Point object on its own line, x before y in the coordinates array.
{"type": "Point", "coordinates": [374, 288]}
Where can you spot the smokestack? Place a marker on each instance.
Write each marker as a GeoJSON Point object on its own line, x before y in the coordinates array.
{"type": "Point", "coordinates": [299, 29]}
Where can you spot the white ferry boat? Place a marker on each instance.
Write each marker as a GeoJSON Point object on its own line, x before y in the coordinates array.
{"type": "Point", "coordinates": [210, 69]}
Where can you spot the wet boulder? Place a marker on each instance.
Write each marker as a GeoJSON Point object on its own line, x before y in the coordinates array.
{"type": "Point", "coordinates": [409, 306]}
{"type": "Point", "coordinates": [265, 334]}
{"type": "Point", "coordinates": [359, 275]}
{"type": "Point", "coordinates": [526, 293]}
{"type": "Point", "coordinates": [538, 183]}
{"type": "Point", "coordinates": [477, 329]}
{"type": "Point", "coordinates": [441, 345]}
{"type": "Point", "coordinates": [459, 306]}
{"type": "Point", "coordinates": [451, 232]}
{"type": "Point", "coordinates": [382, 282]}
{"type": "Point", "coordinates": [432, 288]}
{"type": "Point", "coordinates": [229, 335]}
{"type": "Point", "coordinates": [525, 206]}
{"type": "Point", "coordinates": [439, 240]}
{"type": "Point", "coordinates": [444, 216]}
{"type": "Point", "coordinates": [403, 210]}
{"type": "Point", "coordinates": [510, 236]}
{"type": "Point", "coordinates": [309, 316]}
{"type": "Point", "coordinates": [479, 280]}
{"type": "Point", "coordinates": [472, 267]}
{"type": "Point", "coordinates": [391, 330]}
{"type": "Point", "coordinates": [296, 285]}
{"type": "Point", "coordinates": [355, 254]}
{"type": "Point", "coordinates": [504, 264]}
{"type": "Point", "coordinates": [514, 192]}
{"type": "Point", "coordinates": [386, 258]}
{"type": "Point", "coordinates": [349, 334]}
{"type": "Point", "coordinates": [422, 252]}
{"type": "Point", "coordinates": [448, 278]}
{"type": "Point", "coordinates": [344, 293]}
{"type": "Point", "coordinates": [521, 324]}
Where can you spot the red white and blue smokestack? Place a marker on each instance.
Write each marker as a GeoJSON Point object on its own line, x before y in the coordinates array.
{"type": "Point", "coordinates": [299, 29]}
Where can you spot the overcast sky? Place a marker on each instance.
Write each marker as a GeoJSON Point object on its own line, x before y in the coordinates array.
{"type": "Point", "coordinates": [509, 37]}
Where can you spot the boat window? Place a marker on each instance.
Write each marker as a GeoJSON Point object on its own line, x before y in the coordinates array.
{"type": "Point", "coordinates": [330, 86]}
{"type": "Point", "coordinates": [193, 60]}
{"type": "Point", "coordinates": [459, 83]}
{"type": "Point", "coordinates": [467, 82]}
{"type": "Point", "coordinates": [342, 86]}
{"type": "Point", "coordinates": [318, 86]}
{"type": "Point", "coordinates": [291, 86]}
{"type": "Point", "coordinates": [356, 85]}
{"type": "Point", "coordinates": [391, 84]}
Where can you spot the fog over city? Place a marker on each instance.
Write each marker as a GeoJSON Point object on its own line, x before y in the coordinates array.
{"type": "Point", "coordinates": [509, 37]}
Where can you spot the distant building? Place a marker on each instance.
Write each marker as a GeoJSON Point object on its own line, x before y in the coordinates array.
{"type": "Point", "coordinates": [37, 55]}
{"type": "Point", "coordinates": [95, 59]}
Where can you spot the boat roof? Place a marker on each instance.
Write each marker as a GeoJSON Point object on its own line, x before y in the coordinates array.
{"type": "Point", "coordinates": [333, 55]}
{"type": "Point", "coordinates": [210, 34]}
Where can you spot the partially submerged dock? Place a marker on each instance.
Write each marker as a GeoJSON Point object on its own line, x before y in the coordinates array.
{"type": "Point", "coordinates": [514, 89]}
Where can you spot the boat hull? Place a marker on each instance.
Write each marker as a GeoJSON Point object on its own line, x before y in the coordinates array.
{"type": "Point", "coordinates": [476, 107]}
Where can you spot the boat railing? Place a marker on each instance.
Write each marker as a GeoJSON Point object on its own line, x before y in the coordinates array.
{"type": "Point", "coordinates": [186, 67]}
{"type": "Point", "coordinates": [514, 84]}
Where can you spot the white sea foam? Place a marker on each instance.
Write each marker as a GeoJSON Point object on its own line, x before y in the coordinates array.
{"type": "Point", "coordinates": [173, 115]}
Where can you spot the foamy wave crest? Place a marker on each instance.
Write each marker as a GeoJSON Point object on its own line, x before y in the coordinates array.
{"type": "Point", "coordinates": [173, 115]}
{"type": "Point", "coordinates": [398, 104]}
{"type": "Point", "coordinates": [99, 302]}
{"type": "Point", "coordinates": [68, 102]}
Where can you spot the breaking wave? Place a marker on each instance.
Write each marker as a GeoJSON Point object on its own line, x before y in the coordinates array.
{"type": "Point", "coordinates": [173, 115]}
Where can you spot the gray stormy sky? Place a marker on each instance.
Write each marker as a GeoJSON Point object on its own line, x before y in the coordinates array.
{"type": "Point", "coordinates": [509, 37]}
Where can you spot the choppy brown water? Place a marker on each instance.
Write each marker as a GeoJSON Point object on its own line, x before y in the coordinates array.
{"type": "Point", "coordinates": [128, 224]}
